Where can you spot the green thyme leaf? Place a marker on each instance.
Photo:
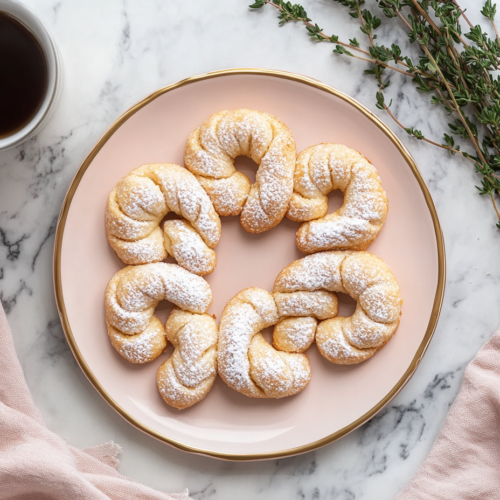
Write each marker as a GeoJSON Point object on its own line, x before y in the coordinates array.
{"type": "Point", "coordinates": [457, 63]}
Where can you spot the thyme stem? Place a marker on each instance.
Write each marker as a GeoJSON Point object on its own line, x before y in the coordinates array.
{"type": "Point", "coordinates": [494, 204]}
{"type": "Point", "coordinates": [352, 47]}
{"type": "Point", "coordinates": [457, 108]}
{"type": "Point", "coordinates": [459, 73]}
{"type": "Point", "coordinates": [427, 18]}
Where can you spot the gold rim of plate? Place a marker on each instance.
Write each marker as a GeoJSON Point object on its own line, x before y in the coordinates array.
{"type": "Point", "coordinates": [438, 299]}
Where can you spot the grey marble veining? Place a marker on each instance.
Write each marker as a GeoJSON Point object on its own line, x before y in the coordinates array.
{"type": "Point", "coordinates": [115, 53]}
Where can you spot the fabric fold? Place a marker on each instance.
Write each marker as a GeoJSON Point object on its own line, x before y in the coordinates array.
{"type": "Point", "coordinates": [464, 461]}
{"type": "Point", "coordinates": [36, 464]}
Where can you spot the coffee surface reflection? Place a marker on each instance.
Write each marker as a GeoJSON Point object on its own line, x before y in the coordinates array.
{"type": "Point", "coordinates": [23, 75]}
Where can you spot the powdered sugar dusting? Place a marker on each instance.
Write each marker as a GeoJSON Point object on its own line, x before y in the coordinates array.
{"type": "Point", "coordinates": [362, 332]}
{"type": "Point", "coordinates": [244, 132]}
{"type": "Point", "coordinates": [322, 169]}
{"type": "Point", "coordinates": [193, 372]}
{"type": "Point", "coordinates": [320, 271]}
{"type": "Point", "coordinates": [268, 369]}
{"type": "Point", "coordinates": [189, 374]}
{"type": "Point", "coordinates": [145, 250]}
{"type": "Point", "coordinates": [275, 175]}
{"type": "Point", "coordinates": [142, 251]}
{"type": "Point", "coordinates": [364, 195]}
{"type": "Point", "coordinates": [140, 198]}
{"type": "Point", "coordinates": [238, 326]}
{"type": "Point", "coordinates": [301, 370]}
{"type": "Point", "coordinates": [228, 194]}
{"type": "Point", "coordinates": [139, 348]}
{"type": "Point", "coordinates": [124, 227]}
{"type": "Point", "coordinates": [381, 302]}
{"type": "Point", "coordinates": [195, 356]}
{"type": "Point", "coordinates": [337, 349]}
{"type": "Point", "coordinates": [333, 231]}
{"type": "Point", "coordinates": [140, 351]}
{"type": "Point", "coordinates": [278, 374]}
{"type": "Point", "coordinates": [294, 334]}
{"type": "Point", "coordinates": [320, 304]}
{"type": "Point", "coordinates": [175, 393]}
{"type": "Point", "coordinates": [127, 321]}
{"type": "Point", "coordinates": [188, 248]}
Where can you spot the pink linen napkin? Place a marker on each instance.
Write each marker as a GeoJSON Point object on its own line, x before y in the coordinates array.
{"type": "Point", "coordinates": [464, 463]}
{"type": "Point", "coordinates": [36, 464]}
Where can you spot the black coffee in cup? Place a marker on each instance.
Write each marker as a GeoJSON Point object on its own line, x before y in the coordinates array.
{"type": "Point", "coordinates": [23, 75]}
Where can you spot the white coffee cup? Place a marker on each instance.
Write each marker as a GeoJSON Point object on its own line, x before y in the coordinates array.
{"type": "Point", "coordinates": [54, 68]}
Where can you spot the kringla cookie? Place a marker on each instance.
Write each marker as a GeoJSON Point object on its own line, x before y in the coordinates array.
{"type": "Point", "coordinates": [210, 153]}
{"type": "Point", "coordinates": [321, 169]}
{"type": "Point", "coordinates": [246, 362]}
{"type": "Point", "coordinates": [364, 277]}
{"type": "Point", "coordinates": [140, 201]}
{"type": "Point", "coordinates": [130, 301]}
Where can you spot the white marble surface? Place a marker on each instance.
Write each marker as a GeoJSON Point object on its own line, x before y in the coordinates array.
{"type": "Point", "coordinates": [116, 52]}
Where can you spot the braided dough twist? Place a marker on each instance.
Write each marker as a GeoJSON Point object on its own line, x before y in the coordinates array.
{"type": "Point", "coordinates": [140, 201]}
{"type": "Point", "coordinates": [299, 314]}
{"type": "Point", "coordinates": [130, 301]}
{"type": "Point", "coordinates": [210, 153]}
{"type": "Point", "coordinates": [189, 374]}
{"type": "Point", "coordinates": [365, 278]}
{"type": "Point", "coordinates": [247, 363]}
{"type": "Point", "coordinates": [321, 169]}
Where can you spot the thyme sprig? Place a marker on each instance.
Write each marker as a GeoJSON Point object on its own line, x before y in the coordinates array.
{"type": "Point", "coordinates": [456, 67]}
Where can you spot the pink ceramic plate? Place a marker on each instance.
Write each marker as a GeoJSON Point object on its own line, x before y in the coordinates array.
{"type": "Point", "coordinates": [227, 424]}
